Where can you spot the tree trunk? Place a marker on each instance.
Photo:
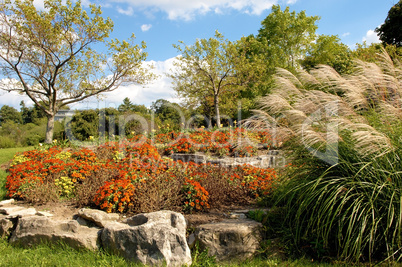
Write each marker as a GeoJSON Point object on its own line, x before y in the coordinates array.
{"type": "Point", "coordinates": [49, 129]}
{"type": "Point", "coordinates": [218, 116]}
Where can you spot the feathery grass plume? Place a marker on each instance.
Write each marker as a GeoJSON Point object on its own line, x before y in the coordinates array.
{"type": "Point", "coordinates": [354, 207]}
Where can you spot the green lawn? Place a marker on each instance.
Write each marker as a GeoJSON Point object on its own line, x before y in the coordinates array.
{"type": "Point", "coordinates": [6, 154]}
{"type": "Point", "coordinates": [55, 255]}
{"type": "Point", "coordinates": [62, 255]}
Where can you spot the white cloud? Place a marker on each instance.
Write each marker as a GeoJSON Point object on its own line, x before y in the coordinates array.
{"type": "Point", "coordinates": [39, 4]}
{"type": "Point", "coordinates": [141, 95]}
{"type": "Point", "coordinates": [160, 88]}
{"type": "Point", "coordinates": [346, 34]}
{"type": "Point", "coordinates": [145, 27]}
{"type": "Point", "coordinates": [128, 11]}
{"type": "Point", "coordinates": [186, 9]}
{"type": "Point", "coordinates": [13, 99]}
{"type": "Point", "coordinates": [371, 37]}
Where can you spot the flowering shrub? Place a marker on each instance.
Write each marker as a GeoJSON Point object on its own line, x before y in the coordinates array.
{"type": "Point", "coordinates": [236, 142]}
{"type": "Point", "coordinates": [45, 166]}
{"type": "Point", "coordinates": [115, 195]}
{"type": "Point", "coordinates": [258, 181]}
{"type": "Point", "coordinates": [182, 145]}
{"type": "Point", "coordinates": [131, 176]}
{"type": "Point", "coordinates": [245, 150]}
{"type": "Point", "coordinates": [196, 197]}
{"type": "Point", "coordinates": [18, 159]}
{"type": "Point", "coordinates": [66, 186]}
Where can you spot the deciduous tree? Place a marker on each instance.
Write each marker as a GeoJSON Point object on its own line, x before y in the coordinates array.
{"type": "Point", "coordinates": [390, 32]}
{"type": "Point", "coordinates": [49, 54]}
{"type": "Point", "coordinates": [8, 113]}
{"type": "Point", "coordinates": [286, 37]}
{"type": "Point", "coordinates": [212, 68]}
{"type": "Point", "coordinates": [329, 50]}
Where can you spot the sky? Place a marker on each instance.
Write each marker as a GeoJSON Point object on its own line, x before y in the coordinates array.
{"type": "Point", "coordinates": [162, 23]}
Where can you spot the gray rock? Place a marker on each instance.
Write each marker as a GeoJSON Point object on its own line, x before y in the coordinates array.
{"type": "Point", "coordinates": [44, 213]}
{"type": "Point", "coordinates": [152, 239]}
{"type": "Point", "coordinates": [99, 217]}
{"type": "Point", "coordinates": [196, 158]}
{"type": "Point", "coordinates": [230, 239]}
{"type": "Point", "coordinates": [37, 229]}
{"type": "Point", "coordinates": [191, 240]}
{"type": "Point", "coordinates": [81, 221]}
{"type": "Point", "coordinates": [6, 202]}
{"type": "Point", "coordinates": [6, 226]}
{"type": "Point", "coordinates": [17, 211]}
{"type": "Point", "coordinates": [235, 215]}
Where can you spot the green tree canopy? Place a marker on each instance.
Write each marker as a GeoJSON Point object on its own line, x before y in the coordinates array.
{"type": "Point", "coordinates": [126, 105]}
{"type": "Point", "coordinates": [371, 52]}
{"type": "Point", "coordinates": [167, 111]}
{"type": "Point", "coordinates": [48, 54]}
{"type": "Point", "coordinates": [8, 113]}
{"type": "Point", "coordinates": [212, 68]}
{"type": "Point", "coordinates": [390, 32]}
{"type": "Point", "coordinates": [286, 37]}
{"type": "Point", "coordinates": [329, 50]}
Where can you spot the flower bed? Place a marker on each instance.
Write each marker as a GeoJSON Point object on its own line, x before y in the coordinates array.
{"type": "Point", "coordinates": [233, 142]}
{"type": "Point", "coordinates": [131, 176]}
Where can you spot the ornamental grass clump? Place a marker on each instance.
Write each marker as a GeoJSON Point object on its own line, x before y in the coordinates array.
{"type": "Point", "coordinates": [344, 137]}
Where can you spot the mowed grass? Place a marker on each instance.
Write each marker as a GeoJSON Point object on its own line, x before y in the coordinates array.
{"type": "Point", "coordinates": [56, 255]}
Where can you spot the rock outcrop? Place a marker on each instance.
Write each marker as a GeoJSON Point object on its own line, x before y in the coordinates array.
{"type": "Point", "coordinates": [35, 230]}
{"type": "Point", "coordinates": [153, 239]}
{"type": "Point", "coordinates": [230, 239]}
{"type": "Point", "coordinates": [100, 218]}
{"type": "Point", "coordinates": [272, 159]}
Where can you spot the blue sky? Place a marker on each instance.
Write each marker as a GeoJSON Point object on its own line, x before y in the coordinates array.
{"type": "Point", "coordinates": [162, 23]}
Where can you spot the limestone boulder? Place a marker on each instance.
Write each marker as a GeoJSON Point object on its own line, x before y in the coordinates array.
{"type": "Point", "coordinates": [7, 224]}
{"type": "Point", "coordinates": [100, 218]}
{"type": "Point", "coordinates": [38, 229]}
{"type": "Point", "coordinates": [6, 202]}
{"type": "Point", "coordinates": [230, 239]}
{"type": "Point", "coordinates": [14, 211]}
{"type": "Point", "coordinates": [153, 239]}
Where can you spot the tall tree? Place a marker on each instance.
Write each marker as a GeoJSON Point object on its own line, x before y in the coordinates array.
{"type": "Point", "coordinates": [47, 55]}
{"type": "Point", "coordinates": [25, 113]}
{"type": "Point", "coordinates": [8, 113]}
{"type": "Point", "coordinates": [390, 32]}
{"type": "Point", "coordinates": [286, 37]}
{"type": "Point", "coordinates": [211, 68]}
{"type": "Point", "coordinates": [329, 50]}
{"type": "Point", "coordinates": [167, 111]}
{"type": "Point", "coordinates": [126, 105]}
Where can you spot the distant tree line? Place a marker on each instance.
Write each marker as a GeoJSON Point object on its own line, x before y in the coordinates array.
{"type": "Point", "coordinates": [217, 79]}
